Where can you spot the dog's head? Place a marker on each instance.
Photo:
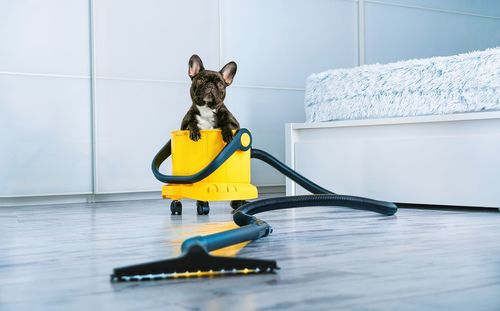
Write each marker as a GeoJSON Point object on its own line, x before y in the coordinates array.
{"type": "Point", "coordinates": [209, 87]}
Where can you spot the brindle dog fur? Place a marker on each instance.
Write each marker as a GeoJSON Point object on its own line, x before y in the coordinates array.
{"type": "Point", "coordinates": [208, 91]}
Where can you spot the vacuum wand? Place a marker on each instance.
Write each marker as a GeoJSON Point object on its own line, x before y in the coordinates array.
{"type": "Point", "coordinates": [227, 238]}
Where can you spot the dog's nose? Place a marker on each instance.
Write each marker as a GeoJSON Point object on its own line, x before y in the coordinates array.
{"type": "Point", "coordinates": [209, 87]}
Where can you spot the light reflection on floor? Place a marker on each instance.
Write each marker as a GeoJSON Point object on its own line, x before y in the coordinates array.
{"type": "Point", "coordinates": [183, 232]}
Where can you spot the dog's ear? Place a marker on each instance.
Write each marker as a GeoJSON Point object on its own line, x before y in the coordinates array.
{"type": "Point", "coordinates": [195, 66]}
{"type": "Point", "coordinates": [228, 72]}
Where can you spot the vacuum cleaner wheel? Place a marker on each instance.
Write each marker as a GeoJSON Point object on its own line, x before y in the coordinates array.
{"type": "Point", "coordinates": [202, 207]}
{"type": "Point", "coordinates": [176, 207]}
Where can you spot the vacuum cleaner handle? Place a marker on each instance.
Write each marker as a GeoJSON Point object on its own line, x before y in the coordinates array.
{"type": "Point", "coordinates": [165, 152]}
{"type": "Point", "coordinates": [222, 239]}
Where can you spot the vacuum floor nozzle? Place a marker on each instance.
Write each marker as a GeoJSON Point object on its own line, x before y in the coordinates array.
{"type": "Point", "coordinates": [195, 263]}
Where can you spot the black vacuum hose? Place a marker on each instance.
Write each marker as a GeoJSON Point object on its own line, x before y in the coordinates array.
{"type": "Point", "coordinates": [353, 202]}
{"type": "Point", "coordinates": [252, 228]}
{"type": "Point", "coordinates": [288, 172]}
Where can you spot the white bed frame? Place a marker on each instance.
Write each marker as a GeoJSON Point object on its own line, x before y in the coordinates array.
{"type": "Point", "coordinates": [441, 160]}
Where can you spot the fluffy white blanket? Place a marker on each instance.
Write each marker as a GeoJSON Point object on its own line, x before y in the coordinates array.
{"type": "Point", "coordinates": [440, 85]}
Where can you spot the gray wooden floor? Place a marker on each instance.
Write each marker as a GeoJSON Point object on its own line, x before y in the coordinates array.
{"type": "Point", "coordinates": [59, 257]}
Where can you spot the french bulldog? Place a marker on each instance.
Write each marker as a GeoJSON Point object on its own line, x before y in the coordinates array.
{"type": "Point", "coordinates": [208, 91]}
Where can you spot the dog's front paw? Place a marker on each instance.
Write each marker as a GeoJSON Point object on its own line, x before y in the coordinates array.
{"type": "Point", "coordinates": [194, 134]}
{"type": "Point", "coordinates": [227, 135]}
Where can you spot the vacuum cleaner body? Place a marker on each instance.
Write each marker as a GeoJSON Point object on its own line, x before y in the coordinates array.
{"type": "Point", "coordinates": [229, 182]}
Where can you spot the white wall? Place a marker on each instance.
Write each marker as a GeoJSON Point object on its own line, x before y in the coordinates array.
{"type": "Point", "coordinates": [140, 52]}
{"type": "Point", "coordinates": [45, 140]}
{"type": "Point", "coordinates": [405, 29]}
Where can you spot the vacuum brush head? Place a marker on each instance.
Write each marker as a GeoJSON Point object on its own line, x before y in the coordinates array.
{"type": "Point", "coordinates": [196, 262]}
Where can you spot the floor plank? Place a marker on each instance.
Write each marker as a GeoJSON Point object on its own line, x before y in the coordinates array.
{"type": "Point", "coordinates": [59, 257]}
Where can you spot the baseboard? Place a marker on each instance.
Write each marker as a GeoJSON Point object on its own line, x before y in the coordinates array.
{"type": "Point", "coordinates": [79, 198]}
{"type": "Point", "coordinates": [106, 197]}
{"type": "Point", "coordinates": [271, 189]}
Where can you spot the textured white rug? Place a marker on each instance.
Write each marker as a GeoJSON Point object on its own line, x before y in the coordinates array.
{"type": "Point", "coordinates": [441, 85]}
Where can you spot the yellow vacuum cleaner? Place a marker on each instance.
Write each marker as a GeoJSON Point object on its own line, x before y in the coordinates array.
{"type": "Point", "coordinates": [210, 170]}
{"type": "Point", "coordinates": [229, 182]}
